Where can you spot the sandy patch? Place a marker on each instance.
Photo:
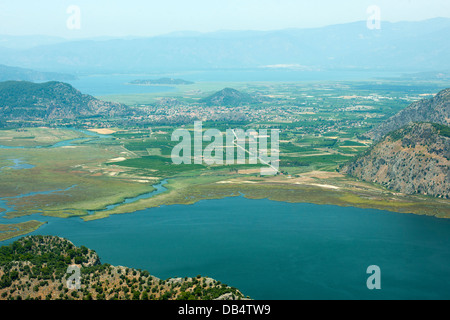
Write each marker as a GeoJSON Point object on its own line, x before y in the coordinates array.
{"type": "Point", "coordinates": [327, 186]}
{"type": "Point", "coordinates": [141, 181]}
{"type": "Point", "coordinates": [237, 182]}
{"type": "Point", "coordinates": [120, 159]}
{"type": "Point", "coordinates": [102, 131]}
{"type": "Point", "coordinates": [307, 183]}
{"type": "Point", "coordinates": [302, 180]}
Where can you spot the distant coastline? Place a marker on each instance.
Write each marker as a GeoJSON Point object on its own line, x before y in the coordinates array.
{"type": "Point", "coordinates": [161, 81]}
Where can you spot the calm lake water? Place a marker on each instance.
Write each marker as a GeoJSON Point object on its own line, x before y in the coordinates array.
{"type": "Point", "coordinates": [113, 84]}
{"type": "Point", "coordinates": [102, 85]}
{"type": "Point", "coordinates": [276, 250]}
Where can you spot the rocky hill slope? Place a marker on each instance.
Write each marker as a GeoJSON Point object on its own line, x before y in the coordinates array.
{"type": "Point", "coordinates": [413, 159]}
{"type": "Point", "coordinates": [35, 267]}
{"type": "Point", "coordinates": [436, 110]}
{"type": "Point", "coordinates": [21, 100]}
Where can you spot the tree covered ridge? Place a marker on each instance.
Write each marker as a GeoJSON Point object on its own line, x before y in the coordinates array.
{"type": "Point", "coordinates": [34, 267]}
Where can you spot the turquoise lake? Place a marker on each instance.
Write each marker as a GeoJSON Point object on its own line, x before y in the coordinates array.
{"type": "Point", "coordinates": [275, 250]}
{"type": "Point", "coordinates": [113, 84]}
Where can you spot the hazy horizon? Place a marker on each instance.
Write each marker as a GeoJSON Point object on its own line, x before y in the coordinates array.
{"type": "Point", "coordinates": [136, 18]}
{"type": "Point", "coordinates": [193, 32]}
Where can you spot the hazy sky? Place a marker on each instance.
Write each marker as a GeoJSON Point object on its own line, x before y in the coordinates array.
{"type": "Point", "coordinates": [148, 17]}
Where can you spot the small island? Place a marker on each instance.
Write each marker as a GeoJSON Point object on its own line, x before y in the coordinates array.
{"type": "Point", "coordinates": [160, 81]}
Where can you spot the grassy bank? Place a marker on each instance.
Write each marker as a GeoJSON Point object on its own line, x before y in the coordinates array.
{"type": "Point", "coordinates": [186, 192]}
{"type": "Point", "coordinates": [8, 231]}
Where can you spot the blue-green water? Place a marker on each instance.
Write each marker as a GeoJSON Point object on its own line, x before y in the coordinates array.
{"type": "Point", "coordinates": [267, 249]}
{"type": "Point", "coordinates": [113, 84]}
{"type": "Point", "coordinates": [159, 188]}
{"type": "Point", "coordinates": [102, 85]}
{"type": "Point", "coordinates": [19, 164]}
{"type": "Point", "coordinates": [276, 250]}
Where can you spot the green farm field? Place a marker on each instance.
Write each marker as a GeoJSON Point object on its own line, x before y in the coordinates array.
{"type": "Point", "coordinates": [321, 127]}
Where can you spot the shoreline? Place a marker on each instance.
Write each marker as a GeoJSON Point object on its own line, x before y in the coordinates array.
{"type": "Point", "coordinates": [300, 190]}
{"type": "Point", "coordinates": [93, 217]}
{"type": "Point", "coordinates": [330, 196]}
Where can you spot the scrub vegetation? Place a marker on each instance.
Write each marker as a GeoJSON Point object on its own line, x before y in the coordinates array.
{"type": "Point", "coordinates": [35, 268]}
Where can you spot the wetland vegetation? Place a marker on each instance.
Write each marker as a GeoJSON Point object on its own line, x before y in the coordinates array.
{"type": "Point", "coordinates": [321, 127]}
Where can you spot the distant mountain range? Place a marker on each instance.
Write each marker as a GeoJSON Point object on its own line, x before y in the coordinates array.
{"type": "Point", "coordinates": [22, 74]}
{"type": "Point", "coordinates": [22, 100]}
{"type": "Point", "coordinates": [402, 46]}
{"type": "Point", "coordinates": [443, 75]}
{"type": "Point", "coordinates": [27, 42]}
{"type": "Point", "coordinates": [413, 155]}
